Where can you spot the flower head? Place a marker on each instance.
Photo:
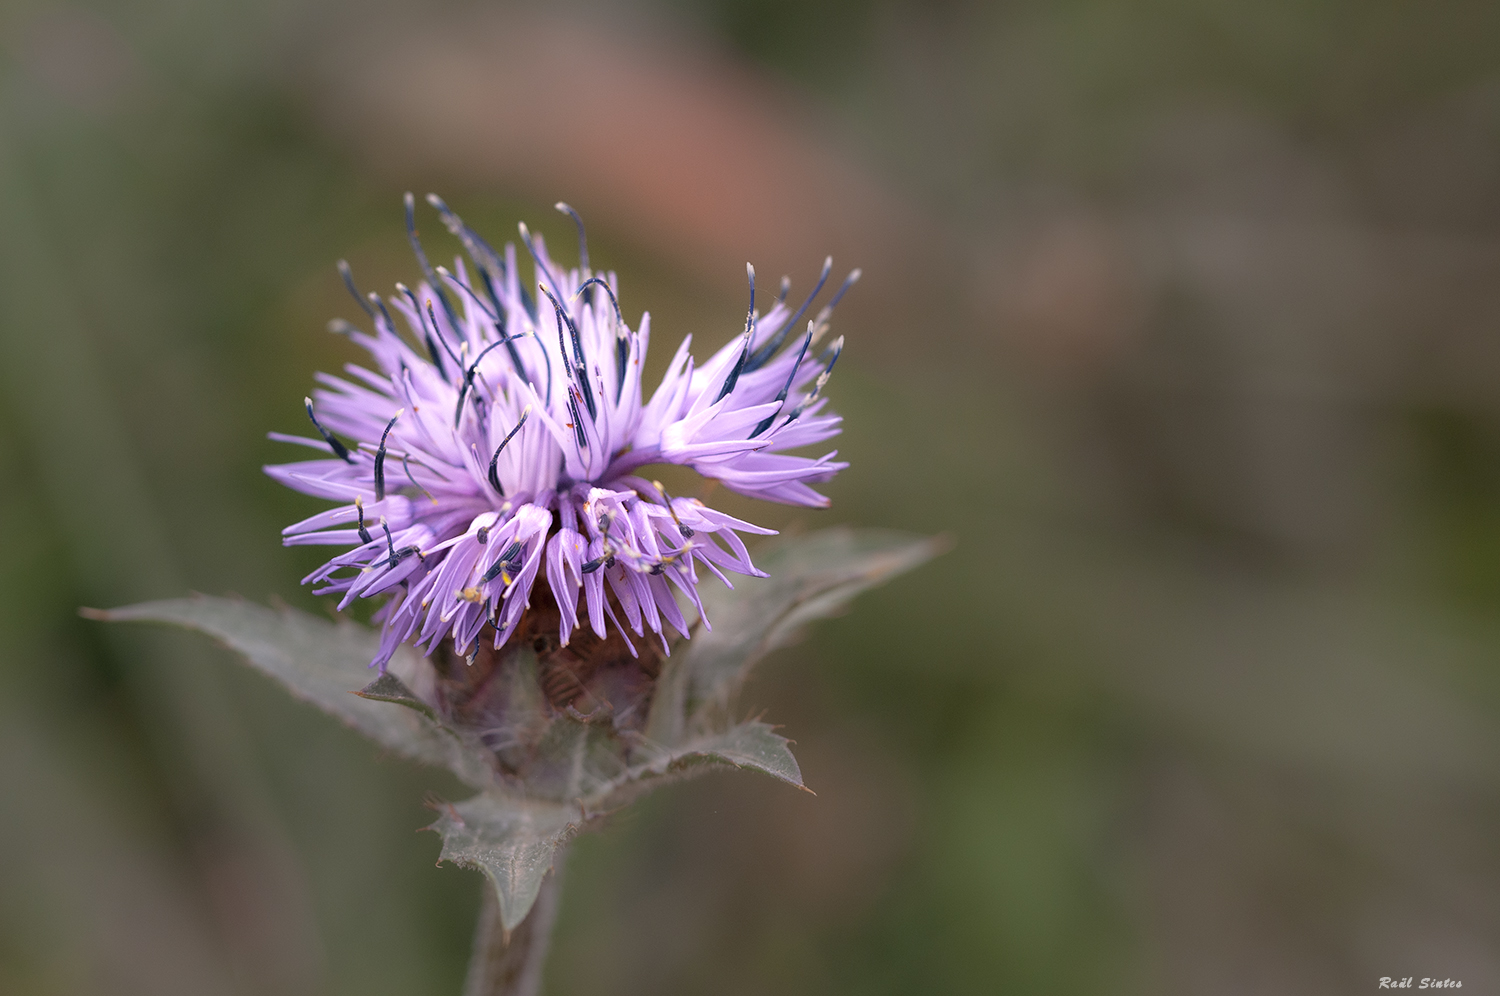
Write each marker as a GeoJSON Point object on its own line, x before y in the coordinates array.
{"type": "Point", "coordinates": [495, 444]}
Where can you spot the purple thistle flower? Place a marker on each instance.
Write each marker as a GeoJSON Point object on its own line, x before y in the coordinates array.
{"type": "Point", "coordinates": [497, 444]}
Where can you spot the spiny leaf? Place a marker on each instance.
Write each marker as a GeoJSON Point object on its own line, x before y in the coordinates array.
{"type": "Point", "coordinates": [324, 663]}
{"type": "Point", "coordinates": [754, 745]}
{"type": "Point", "coordinates": [511, 840]}
{"type": "Point", "coordinates": [389, 688]}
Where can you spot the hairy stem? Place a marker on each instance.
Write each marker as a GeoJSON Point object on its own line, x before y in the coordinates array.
{"type": "Point", "coordinates": [512, 966]}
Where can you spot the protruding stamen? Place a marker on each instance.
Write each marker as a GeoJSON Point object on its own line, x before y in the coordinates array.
{"type": "Point", "coordinates": [339, 449]}
{"type": "Point", "coordinates": [495, 460]}
{"type": "Point", "coordinates": [348, 276]}
{"type": "Point", "coordinates": [444, 272]}
{"type": "Point", "coordinates": [458, 409]}
{"type": "Point", "coordinates": [849, 281]}
{"type": "Point", "coordinates": [583, 245]}
{"type": "Point", "coordinates": [667, 499]}
{"type": "Point", "coordinates": [432, 317]}
{"type": "Point", "coordinates": [836, 350]}
{"type": "Point", "coordinates": [739, 365]}
{"type": "Point", "coordinates": [490, 267]}
{"type": "Point", "coordinates": [821, 322]}
{"type": "Point", "coordinates": [581, 368]}
{"type": "Point", "coordinates": [340, 327]}
{"type": "Point", "coordinates": [406, 466]}
{"type": "Point", "coordinates": [592, 565]}
{"type": "Point", "coordinates": [577, 423]}
{"type": "Point", "coordinates": [622, 340]}
{"type": "Point", "coordinates": [380, 457]}
{"type": "Point", "coordinates": [619, 318]}
{"type": "Point", "coordinates": [432, 350]}
{"type": "Point", "coordinates": [394, 556]}
{"type": "Point", "coordinates": [504, 564]}
{"type": "Point", "coordinates": [390, 544]}
{"type": "Point", "coordinates": [786, 288]}
{"type": "Point", "coordinates": [787, 387]}
{"type": "Point", "coordinates": [390, 323]}
{"type": "Point", "coordinates": [536, 258]}
{"type": "Point", "coordinates": [359, 510]}
{"type": "Point", "coordinates": [764, 353]}
{"type": "Point", "coordinates": [416, 248]}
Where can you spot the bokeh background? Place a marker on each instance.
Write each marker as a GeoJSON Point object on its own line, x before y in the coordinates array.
{"type": "Point", "coordinates": [1180, 317]}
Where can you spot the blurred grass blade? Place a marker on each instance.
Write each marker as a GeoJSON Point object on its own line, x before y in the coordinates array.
{"type": "Point", "coordinates": [324, 663]}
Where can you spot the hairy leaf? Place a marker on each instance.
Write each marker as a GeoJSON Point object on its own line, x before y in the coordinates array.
{"type": "Point", "coordinates": [324, 663]}
{"type": "Point", "coordinates": [754, 745]}
{"type": "Point", "coordinates": [511, 840]}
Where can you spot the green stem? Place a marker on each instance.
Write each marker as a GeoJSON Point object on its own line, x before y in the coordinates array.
{"type": "Point", "coordinates": [512, 966]}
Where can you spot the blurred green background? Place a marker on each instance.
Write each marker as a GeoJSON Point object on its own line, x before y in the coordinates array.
{"type": "Point", "coordinates": [1180, 317]}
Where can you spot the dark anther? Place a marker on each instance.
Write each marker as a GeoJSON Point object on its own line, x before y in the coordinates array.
{"type": "Point", "coordinates": [416, 248]}
{"type": "Point", "coordinates": [667, 499]}
{"type": "Point", "coordinates": [432, 317]}
{"type": "Point", "coordinates": [446, 275]}
{"type": "Point", "coordinates": [622, 342]}
{"type": "Point", "coordinates": [458, 409]}
{"type": "Point", "coordinates": [536, 258]}
{"type": "Point", "coordinates": [592, 565]}
{"type": "Point", "coordinates": [600, 281]}
{"type": "Point", "coordinates": [765, 352]}
{"type": "Point", "coordinates": [583, 442]}
{"type": "Point", "coordinates": [483, 535]}
{"type": "Point", "coordinates": [583, 246]}
{"type": "Point", "coordinates": [359, 298]}
{"type": "Point", "coordinates": [380, 458]}
{"type": "Point", "coordinates": [389, 544]}
{"type": "Point", "coordinates": [581, 366]}
{"type": "Point", "coordinates": [339, 449]}
{"type": "Point", "coordinates": [657, 568]}
{"type": "Point", "coordinates": [432, 350]}
{"type": "Point", "coordinates": [739, 365]}
{"type": "Point", "coordinates": [359, 509]}
{"type": "Point", "coordinates": [849, 281]}
{"type": "Point", "coordinates": [836, 350]}
{"type": "Point", "coordinates": [495, 460]}
{"type": "Point", "coordinates": [787, 387]}
{"type": "Point", "coordinates": [504, 563]}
